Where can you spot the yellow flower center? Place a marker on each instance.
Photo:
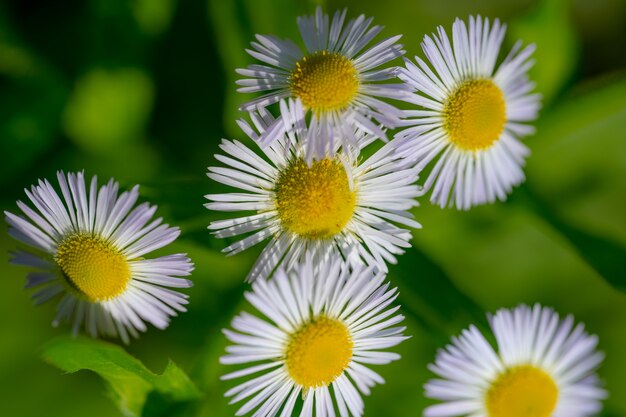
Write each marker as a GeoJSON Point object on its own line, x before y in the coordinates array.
{"type": "Point", "coordinates": [93, 267]}
{"type": "Point", "coordinates": [319, 352]}
{"type": "Point", "coordinates": [315, 201]}
{"type": "Point", "coordinates": [324, 81]}
{"type": "Point", "coordinates": [475, 115]}
{"type": "Point", "coordinates": [523, 391]}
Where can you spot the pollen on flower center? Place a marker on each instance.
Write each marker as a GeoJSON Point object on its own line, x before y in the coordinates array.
{"type": "Point", "coordinates": [324, 81]}
{"type": "Point", "coordinates": [318, 352]}
{"type": "Point", "coordinates": [315, 201]}
{"type": "Point", "coordinates": [93, 267]}
{"type": "Point", "coordinates": [523, 391]}
{"type": "Point", "coordinates": [475, 115]}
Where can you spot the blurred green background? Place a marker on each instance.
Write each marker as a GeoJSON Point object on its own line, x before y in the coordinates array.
{"type": "Point", "coordinates": [143, 90]}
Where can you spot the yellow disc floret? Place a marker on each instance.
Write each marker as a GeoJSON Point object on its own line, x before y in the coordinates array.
{"type": "Point", "coordinates": [315, 201]}
{"type": "Point", "coordinates": [523, 391]}
{"type": "Point", "coordinates": [318, 352]}
{"type": "Point", "coordinates": [475, 115]}
{"type": "Point", "coordinates": [93, 267]}
{"type": "Point", "coordinates": [324, 81]}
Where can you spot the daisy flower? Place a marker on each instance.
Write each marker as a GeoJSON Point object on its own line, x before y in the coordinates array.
{"type": "Point", "coordinates": [543, 367]}
{"type": "Point", "coordinates": [336, 77]}
{"type": "Point", "coordinates": [336, 206]}
{"type": "Point", "coordinates": [470, 114]}
{"type": "Point", "coordinates": [324, 326]}
{"type": "Point", "coordinates": [91, 246]}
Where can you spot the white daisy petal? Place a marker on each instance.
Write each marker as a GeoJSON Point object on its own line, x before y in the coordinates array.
{"type": "Point", "coordinates": [542, 366]}
{"type": "Point", "coordinates": [91, 245]}
{"type": "Point", "coordinates": [470, 115]}
{"type": "Point", "coordinates": [337, 78]}
{"type": "Point", "coordinates": [334, 207]}
{"type": "Point", "coordinates": [313, 306]}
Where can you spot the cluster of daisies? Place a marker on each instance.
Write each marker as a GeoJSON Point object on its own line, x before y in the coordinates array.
{"type": "Point", "coordinates": [334, 215]}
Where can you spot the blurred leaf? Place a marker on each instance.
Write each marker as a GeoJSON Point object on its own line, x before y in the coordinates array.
{"type": "Point", "coordinates": [217, 296]}
{"type": "Point", "coordinates": [606, 257]}
{"type": "Point", "coordinates": [235, 23]}
{"type": "Point", "coordinates": [132, 164]}
{"type": "Point", "coordinates": [15, 60]}
{"type": "Point", "coordinates": [153, 16]}
{"type": "Point", "coordinates": [29, 113]}
{"type": "Point", "coordinates": [187, 119]}
{"type": "Point", "coordinates": [128, 380]}
{"type": "Point", "coordinates": [108, 109]}
{"type": "Point", "coordinates": [158, 405]}
{"type": "Point", "coordinates": [610, 413]}
{"type": "Point", "coordinates": [431, 298]}
{"type": "Point", "coordinates": [589, 105]}
{"type": "Point", "coordinates": [183, 195]}
{"type": "Point", "coordinates": [32, 97]}
{"type": "Point", "coordinates": [583, 195]}
{"type": "Point", "coordinates": [550, 28]}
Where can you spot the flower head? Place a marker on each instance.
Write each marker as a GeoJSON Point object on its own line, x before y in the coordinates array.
{"type": "Point", "coordinates": [333, 207]}
{"type": "Point", "coordinates": [324, 326]}
{"type": "Point", "coordinates": [91, 247]}
{"type": "Point", "coordinates": [543, 367]}
{"type": "Point", "coordinates": [336, 80]}
{"type": "Point", "coordinates": [470, 114]}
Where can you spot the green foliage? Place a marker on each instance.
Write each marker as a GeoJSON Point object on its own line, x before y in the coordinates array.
{"type": "Point", "coordinates": [29, 113]}
{"type": "Point", "coordinates": [153, 16]}
{"type": "Point", "coordinates": [549, 27]}
{"type": "Point", "coordinates": [129, 382]}
{"type": "Point", "coordinates": [581, 195]}
{"type": "Point", "coordinates": [108, 109]}
{"type": "Point", "coordinates": [431, 298]}
{"type": "Point", "coordinates": [235, 24]}
{"type": "Point", "coordinates": [144, 90]}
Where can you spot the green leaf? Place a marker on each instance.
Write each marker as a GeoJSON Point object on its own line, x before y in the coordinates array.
{"type": "Point", "coordinates": [109, 109]}
{"type": "Point", "coordinates": [550, 28]}
{"type": "Point", "coordinates": [575, 177]}
{"type": "Point", "coordinates": [604, 256]}
{"type": "Point", "coordinates": [235, 24]}
{"type": "Point", "coordinates": [32, 97]}
{"type": "Point", "coordinates": [153, 16]}
{"type": "Point", "coordinates": [431, 298]}
{"type": "Point", "coordinates": [29, 112]}
{"type": "Point", "coordinates": [129, 382]}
